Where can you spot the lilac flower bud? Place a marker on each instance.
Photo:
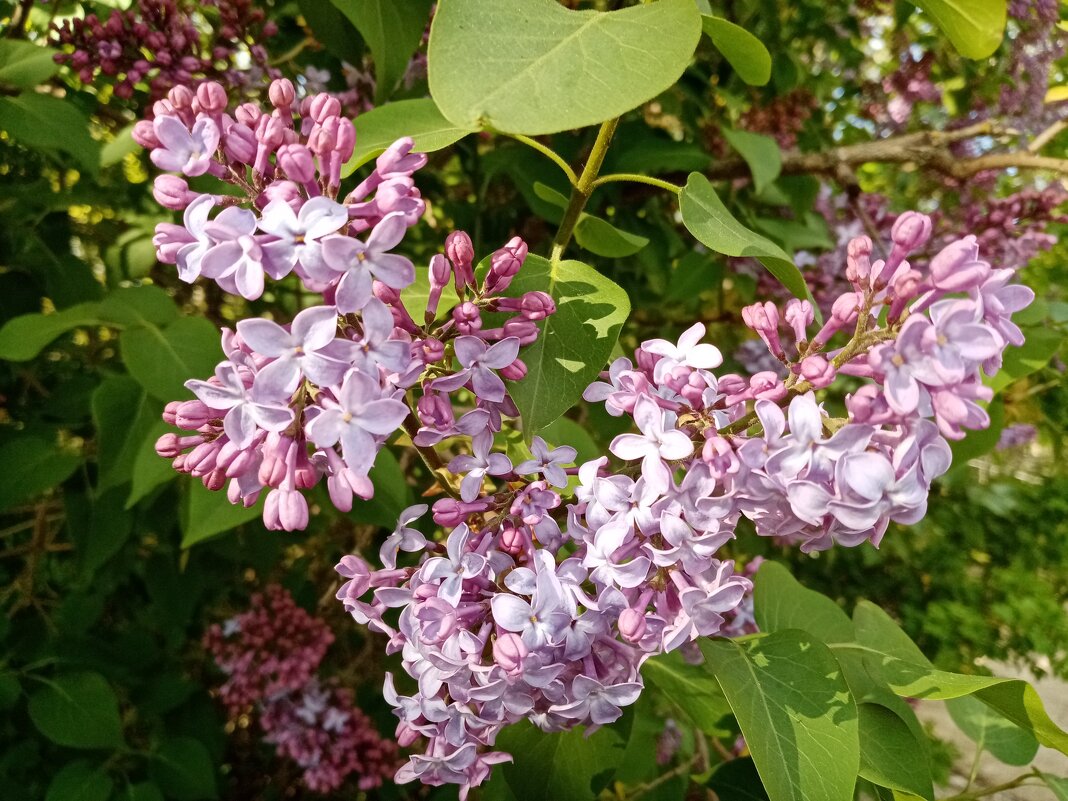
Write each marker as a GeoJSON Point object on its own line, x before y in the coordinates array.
{"type": "Point", "coordinates": [168, 446]}
{"type": "Point", "coordinates": [858, 259]}
{"type": "Point", "coordinates": [911, 230]}
{"type": "Point", "coordinates": [434, 410]}
{"type": "Point", "coordinates": [461, 253]}
{"type": "Point", "coordinates": [172, 192]}
{"type": "Point", "coordinates": [215, 480]}
{"type": "Point", "coordinates": [537, 305]}
{"type": "Point", "coordinates": [144, 133]}
{"type": "Point", "coordinates": [515, 371]}
{"type": "Point", "coordinates": [509, 651]}
{"type": "Point", "coordinates": [170, 412]}
{"type": "Point", "coordinates": [286, 191]}
{"type": "Point", "coordinates": [386, 293]}
{"type": "Point", "coordinates": [868, 405]}
{"type": "Point", "coordinates": [512, 540]}
{"type": "Point", "coordinates": [406, 734]}
{"type": "Point", "coordinates": [191, 415]}
{"type": "Point", "coordinates": [212, 97]}
{"type": "Point", "coordinates": [767, 385]}
{"type": "Point", "coordinates": [398, 158]}
{"type": "Point", "coordinates": [846, 308]}
{"type": "Point", "coordinates": [957, 267]}
{"type": "Point", "coordinates": [440, 272]}
{"type": "Point", "coordinates": [818, 371]}
{"type": "Point", "coordinates": [468, 318]}
{"type": "Point", "coordinates": [450, 513]}
{"type": "Point", "coordinates": [346, 139]}
{"type": "Point", "coordinates": [239, 144]}
{"type": "Point", "coordinates": [323, 106]}
{"type": "Point", "coordinates": [732, 384]}
{"type": "Point", "coordinates": [297, 162]}
{"type": "Point", "coordinates": [429, 350]}
{"type": "Point", "coordinates": [181, 97]}
{"type": "Point", "coordinates": [523, 330]}
{"type": "Point", "coordinates": [505, 263]}
{"type": "Point", "coordinates": [799, 316]}
{"type": "Point", "coordinates": [281, 93]}
{"type": "Point", "coordinates": [248, 114]}
{"type": "Point", "coordinates": [285, 510]}
{"type": "Point", "coordinates": [631, 624]}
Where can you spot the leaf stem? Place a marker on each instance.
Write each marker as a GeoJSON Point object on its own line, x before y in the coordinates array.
{"type": "Point", "coordinates": [583, 188]}
{"type": "Point", "coordinates": [636, 178]}
{"type": "Point", "coordinates": [550, 154]}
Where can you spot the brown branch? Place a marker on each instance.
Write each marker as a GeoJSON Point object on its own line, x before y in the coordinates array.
{"type": "Point", "coordinates": [929, 149]}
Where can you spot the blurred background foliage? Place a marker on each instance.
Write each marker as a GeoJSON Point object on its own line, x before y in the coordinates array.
{"type": "Point", "coordinates": [112, 567]}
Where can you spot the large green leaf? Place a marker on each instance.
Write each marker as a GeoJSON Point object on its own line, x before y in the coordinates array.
{"type": "Point", "coordinates": [890, 754]}
{"type": "Point", "coordinates": [80, 780]}
{"type": "Point", "coordinates": [123, 414]}
{"type": "Point", "coordinates": [975, 27]}
{"type": "Point", "coordinates": [206, 514]}
{"type": "Point", "coordinates": [150, 470]}
{"type": "Point", "coordinates": [991, 732]}
{"type": "Point", "coordinates": [535, 67]}
{"type": "Point", "coordinates": [1040, 345]}
{"type": "Point", "coordinates": [22, 338]}
{"type": "Point", "coordinates": [747, 54]}
{"type": "Point", "coordinates": [795, 711]}
{"type": "Point", "coordinates": [692, 689]}
{"type": "Point", "coordinates": [163, 359]}
{"type": "Point", "coordinates": [554, 767]}
{"type": "Point", "coordinates": [392, 30]}
{"type": "Point", "coordinates": [24, 64]}
{"type": "Point", "coordinates": [902, 665]}
{"type": "Point", "coordinates": [44, 122]}
{"type": "Point", "coordinates": [184, 767]}
{"type": "Point", "coordinates": [37, 463]}
{"type": "Point", "coordinates": [78, 710]}
{"type": "Point", "coordinates": [380, 127]}
{"type": "Point", "coordinates": [761, 154]}
{"type": "Point", "coordinates": [705, 216]}
{"type": "Point", "coordinates": [780, 602]}
{"type": "Point", "coordinates": [575, 343]}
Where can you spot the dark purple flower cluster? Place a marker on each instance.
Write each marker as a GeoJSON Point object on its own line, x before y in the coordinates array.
{"type": "Point", "coordinates": [271, 656]}
{"type": "Point", "coordinates": [157, 44]}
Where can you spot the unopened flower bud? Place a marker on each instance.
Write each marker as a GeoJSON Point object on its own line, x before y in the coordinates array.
{"type": "Point", "coordinates": [297, 162]}
{"type": "Point", "coordinates": [181, 97]}
{"type": "Point", "coordinates": [239, 144]}
{"type": "Point", "coordinates": [911, 230]}
{"type": "Point", "coordinates": [323, 106]}
{"type": "Point", "coordinates": [468, 318]}
{"type": "Point", "coordinates": [515, 371]}
{"type": "Point", "coordinates": [957, 267]}
{"type": "Point", "coordinates": [509, 651]}
{"type": "Point", "coordinates": [281, 93]}
{"type": "Point", "coordinates": [526, 331]}
{"type": "Point", "coordinates": [461, 253]}
{"type": "Point", "coordinates": [537, 305]}
{"type": "Point", "coordinates": [631, 624]}
{"type": "Point", "coordinates": [172, 192]}
{"type": "Point", "coordinates": [818, 371]}
{"type": "Point", "coordinates": [858, 259]}
{"type": "Point", "coordinates": [212, 97]}
{"type": "Point", "coordinates": [505, 263]}
{"type": "Point", "coordinates": [144, 133]}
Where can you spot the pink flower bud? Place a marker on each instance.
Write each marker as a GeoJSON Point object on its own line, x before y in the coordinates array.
{"type": "Point", "coordinates": [846, 308]}
{"type": "Point", "coordinates": [957, 267]}
{"type": "Point", "coordinates": [448, 512]}
{"type": "Point", "coordinates": [434, 410]}
{"type": "Point", "coordinates": [818, 371]}
{"type": "Point", "coordinates": [799, 316]}
{"type": "Point", "coordinates": [524, 330]}
{"type": "Point", "coordinates": [297, 162]}
{"type": "Point", "coordinates": [537, 305]}
{"type": "Point", "coordinates": [515, 371]}
{"type": "Point", "coordinates": [911, 230]}
{"type": "Point", "coordinates": [505, 263]}
{"type": "Point", "coordinates": [323, 106]}
{"type": "Point", "coordinates": [172, 192]}
{"type": "Point", "coordinates": [181, 97]}
{"type": "Point", "coordinates": [461, 253]}
{"type": "Point", "coordinates": [346, 138]}
{"type": "Point", "coordinates": [212, 97]}
{"type": "Point", "coordinates": [167, 446]}
{"type": "Point", "coordinates": [144, 133]}
{"type": "Point", "coordinates": [631, 624]}
{"type": "Point", "coordinates": [767, 385]}
{"type": "Point", "coordinates": [858, 259]}
{"type": "Point", "coordinates": [286, 191]}
{"type": "Point", "coordinates": [239, 144]}
{"type": "Point", "coordinates": [509, 651]}
{"type": "Point", "coordinates": [440, 272]}
{"type": "Point", "coordinates": [398, 158]}
{"type": "Point", "coordinates": [248, 114]}
{"type": "Point", "coordinates": [512, 540]}
{"type": "Point", "coordinates": [468, 318]}
{"type": "Point", "coordinates": [281, 93]}
{"type": "Point", "coordinates": [285, 510]}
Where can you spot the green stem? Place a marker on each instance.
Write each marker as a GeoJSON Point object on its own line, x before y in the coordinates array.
{"type": "Point", "coordinates": [583, 188]}
{"type": "Point", "coordinates": [549, 153]}
{"type": "Point", "coordinates": [636, 178]}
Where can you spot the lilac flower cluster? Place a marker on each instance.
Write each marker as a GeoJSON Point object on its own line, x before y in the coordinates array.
{"type": "Point", "coordinates": [543, 609]}
{"type": "Point", "coordinates": [157, 44]}
{"type": "Point", "coordinates": [319, 397]}
{"type": "Point", "coordinates": [271, 654]}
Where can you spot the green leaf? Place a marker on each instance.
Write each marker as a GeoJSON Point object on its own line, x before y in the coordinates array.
{"type": "Point", "coordinates": [599, 236]}
{"type": "Point", "coordinates": [109, 528]}
{"type": "Point", "coordinates": [38, 463]}
{"type": "Point", "coordinates": [332, 30]}
{"type": "Point", "coordinates": [975, 27]}
{"type": "Point", "coordinates": [761, 154]}
{"type": "Point", "coordinates": [79, 781]}
{"type": "Point", "coordinates": [992, 732]}
{"type": "Point", "coordinates": [22, 338]}
{"type": "Point", "coordinates": [10, 690]}
{"type": "Point", "coordinates": [692, 689]}
{"type": "Point", "coordinates": [1058, 786]}
{"type": "Point", "coordinates": [890, 754]}
{"type": "Point", "coordinates": [184, 769]}
{"type": "Point", "coordinates": [139, 305]}
{"type": "Point", "coordinates": [907, 671]}
{"type": "Point", "coordinates": [780, 602]}
{"type": "Point", "coordinates": [737, 780]}
{"type": "Point", "coordinates": [565, 431]}
{"type": "Point", "coordinates": [119, 147]}
{"type": "Point", "coordinates": [206, 514]}
{"type": "Point", "coordinates": [392, 493]}
{"type": "Point", "coordinates": [144, 791]}
{"type": "Point", "coordinates": [392, 30]}
{"type": "Point", "coordinates": [575, 343]}
{"type": "Point", "coordinates": [44, 122]}
{"type": "Point", "coordinates": [535, 67]}
{"type": "Point", "coordinates": [78, 710]}
{"type": "Point", "coordinates": [639, 148]}
{"type": "Point", "coordinates": [705, 216]}
{"type": "Point", "coordinates": [380, 127]}
{"type": "Point", "coordinates": [1040, 345]}
{"type": "Point", "coordinates": [747, 54]}
{"type": "Point", "coordinates": [24, 64]}
{"type": "Point", "coordinates": [163, 359]}
{"type": "Point", "coordinates": [123, 414]}
{"type": "Point", "coordinates": [150, 470]}
{"type": "Point", "coordinates": [795, 711]}
{"type": "Point", "coordinates": [554, 767]}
